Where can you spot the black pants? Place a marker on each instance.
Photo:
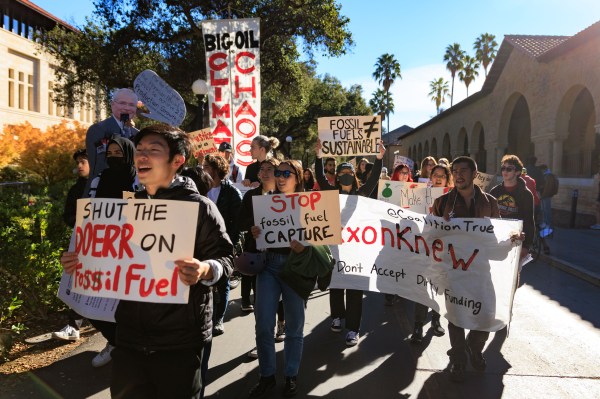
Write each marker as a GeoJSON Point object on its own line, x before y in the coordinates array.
{"type": "Point", "coordinates": [475, 339]}
{"type": "Point", "coordinates": [163, 374]}
{"type": "Point", "coordinates": [421, 314]}
{"type": "Point", "coordinates": [351, 310]}
{"type": "Point", "coordinates": [248, 284]}
{"type": "Point", "coordinates": [108, 330]}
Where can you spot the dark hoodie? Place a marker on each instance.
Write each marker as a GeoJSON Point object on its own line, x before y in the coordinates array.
{"type": "Point", "coordinates": [120, 175]}
{"type": "Point", "coordinates": [147, 326]}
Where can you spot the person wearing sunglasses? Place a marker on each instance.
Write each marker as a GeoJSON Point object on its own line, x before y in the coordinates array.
{"type": "Point", "coordinates": [288, 180]}
{"type": "Point", "coordinates": [346, 182]}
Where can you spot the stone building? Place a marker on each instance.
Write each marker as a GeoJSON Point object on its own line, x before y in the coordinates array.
{"type": "Point", "coordinates": [27, 75]}
{"type": "Point", "coordinates": [541, 97]}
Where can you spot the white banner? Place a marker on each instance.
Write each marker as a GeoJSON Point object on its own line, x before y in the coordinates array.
{"type": "Point", "coordinates": [127, 248]}
{"type": "Point", "coordinates": [311, 218]}
{"type": "Point", "coordinates": [349, 135]}
{"type": "Point", "coordinates": [464, 269]}
{"type": "Point", "coordinates": [233, 65]}
{"type": "Point", "coordinates": [414, 196]}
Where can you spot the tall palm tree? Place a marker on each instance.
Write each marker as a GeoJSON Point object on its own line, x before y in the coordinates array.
{"type": "Point", "coordinates": [439, 92]}
{"type": "Point", "coordinates": [469, 71]}
{"type": "Point", "coordinates": [453, 58]}
{"type": "Point", "coordinates": [387, 70]}
{"type": "Point", "coordinates": [485, 50]}
{"type": "Point", "coordinates": [382, 104]}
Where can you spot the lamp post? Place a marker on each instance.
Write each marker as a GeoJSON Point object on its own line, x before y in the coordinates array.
{"type": "Point", "coordinates": [200, 89]}
{"type": "Point", "coordinates": [289, 140]}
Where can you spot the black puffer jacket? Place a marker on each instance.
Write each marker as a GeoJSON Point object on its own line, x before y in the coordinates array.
{"type": "Point", "coordinates": [154, 327]}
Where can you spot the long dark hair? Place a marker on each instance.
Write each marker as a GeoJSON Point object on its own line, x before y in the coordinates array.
{"type": "Point", "coordinates": [308, 185]}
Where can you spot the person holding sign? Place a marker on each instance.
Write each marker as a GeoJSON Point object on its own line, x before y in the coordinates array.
{"type": "Point", "coordinates": [160, 347]}
{"type": "Point", "coordinates": [465, 200]}
{"type": "Point", "coordinates": [270, 287]}
{"type": "Point", "coordinates": [261, 148]}
{"type": "Point", "coordinates": [347, 183]}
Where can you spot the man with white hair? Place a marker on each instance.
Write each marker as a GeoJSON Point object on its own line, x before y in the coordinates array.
{"type": "Point", "coordinates": [123, 106]}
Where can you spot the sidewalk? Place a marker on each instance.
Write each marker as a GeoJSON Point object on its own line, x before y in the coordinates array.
{"type": "Point", "coordinates": [576, 251]}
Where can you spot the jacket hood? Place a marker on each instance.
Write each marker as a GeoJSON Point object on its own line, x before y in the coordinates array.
{"type": "Point", "coordinates": [126, 146]}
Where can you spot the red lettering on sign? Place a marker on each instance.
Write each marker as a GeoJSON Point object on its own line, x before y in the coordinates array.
{"type": "Point", "coordinates": [237, 60]}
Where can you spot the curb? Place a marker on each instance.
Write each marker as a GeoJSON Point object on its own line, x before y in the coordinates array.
{"type": "Point", "coordinates": [577, 271]}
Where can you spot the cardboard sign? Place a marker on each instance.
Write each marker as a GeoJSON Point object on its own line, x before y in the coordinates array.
{"type": "Point", "coordinates": [164, 103]}
{"type": "Point", "coordinates": [349, 135]}
{"type": "Point", "coordinates": [398, 159]}
{"type": "Point", "coordinates": [203, 142]}
{"type": "Point", "coordinates": [464, 269]}
{"type": "Point", "coordinates": [233, 68]}
{"type": "Point", "coordinates": [417, 197]}
{"type": "Point", "coordinates": [127, 248]}
{"type": "Point", "coordinates": [485, 181]}
{"type": "Point", "coordinates": [311, 218]}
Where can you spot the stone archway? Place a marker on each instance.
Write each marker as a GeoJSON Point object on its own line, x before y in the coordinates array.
{"type": "Point", "coordinates": [410, 155]}
{"type": "Point", "coordinates": [575, 125]}
{"type": "Point", "coordinates": [426, 149]}
{"type": "Point", "coordinates": [420, 154]}
{"type": "Point", "coordinates": [515, 127]}
{"type": "Point", "coordinates": [478, 143]}
{"type": "Point", "coordinates": [462, 142]}
{"type": "Point", "coordinates": [433, 150]}
{"type": "Point", "coordinates": [446, 150]}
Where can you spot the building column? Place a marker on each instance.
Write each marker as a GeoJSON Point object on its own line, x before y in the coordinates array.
{"type": "Point", "coordinates": [557, 150]}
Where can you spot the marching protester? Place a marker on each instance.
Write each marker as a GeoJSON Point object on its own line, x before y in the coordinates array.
{"type": "Point", "coordinates": [233, 174]}
{"type": "Point", "coordinates": [261, 148]}
{"type": "Point", "coordinates": [465, 200]}
{"type": "Point", "coordinates": [347, 183]}
{"type": "Point", "coordinates": [309, 179]}
{"type": "Point", "coordinates": [330, 166]}
{"type": "Point", "coordinates": [362, 171]}
{"type": "Point", "coordinates": [549, 190]}
{"type": "Point", "coordinates": [440, 177]}
{"type": "Point", "coordinates": [427, 165]}
{"type": "Point", "coordinates": [160, 346]}
{"type": "Point", "coordinates": [270, 288]}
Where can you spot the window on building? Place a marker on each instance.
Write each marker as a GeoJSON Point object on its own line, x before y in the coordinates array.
{"type": "Point", "coordinates": [51, 105]}
{"type": "Point", "coordinates": [30, 97]}
{"type": "Point", "coordinates": [11, 87]}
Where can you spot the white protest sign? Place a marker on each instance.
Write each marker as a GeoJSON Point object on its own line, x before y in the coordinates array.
{"type": "Point", "coordinates": [484, 181]}
{"type": "Point", "coordinates": [203, 142]}
{"type": "Point", "coordinates": [163, 102]}
{"type": "Point", "coordinates": [417, 197]}
{"type": "Point", "coordinates": [233, 67]}
{"type": "Point", "coordinates": [349, 135]}
{"type": "Point", "coordinates": [311, 218]}
{"type": "Point", "coordinates": [127, 248]}
{"type": "Point", "coordinates": [398, 159]}
{"type": "Point", "coordinates": [243, 189]}
{"type": "Point", "coordinates": [464, 269]}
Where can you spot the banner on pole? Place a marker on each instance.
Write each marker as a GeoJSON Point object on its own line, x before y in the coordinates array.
{"type": "Point", "coordinates": [349, 135]}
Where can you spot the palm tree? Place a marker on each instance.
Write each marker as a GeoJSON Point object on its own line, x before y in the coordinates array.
{"type": "Point", "coordinates": [485, 50]}
{"type": "Point", "coordinates": [387, 70]}
{"type": "Point", "coordinates": [453, 58]}
{"type": "Point", "coordinates": [439, 92]}
{"type": "Point", "coordinates": [469, 71]}
{"type": "Point", "coordinates": [382, 104]}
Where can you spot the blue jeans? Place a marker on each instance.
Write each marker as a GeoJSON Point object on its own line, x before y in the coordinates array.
{"type": "Point", "coordinates": [547, 210]}
{"type": "Point", "coordinates": [220, 301]}
{"type": "Point", "coordinates": [269, 288]}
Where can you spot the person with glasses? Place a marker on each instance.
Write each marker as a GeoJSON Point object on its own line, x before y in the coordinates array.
{"type": "Point", "coordinates": [289, 180]}
{"type": "Point", "coordinates": [466, 200]}
{"type": "Point", "coordinates": [123, 106]}
{"type": "Point", "coordinates": [402, 173]}
{"type": "Point", "coordinates": [427, 165]}
{"type": "Point", "coordinates": [347, 182]}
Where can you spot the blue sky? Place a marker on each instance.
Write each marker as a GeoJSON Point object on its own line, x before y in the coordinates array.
{"type": "Point", "coordinates": [417, 33]}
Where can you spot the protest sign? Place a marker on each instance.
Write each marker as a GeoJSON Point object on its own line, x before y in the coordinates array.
{"type": "Point", "coordinates": [464, 269]}
{"type": "Point", "coordinates": [398, 159]}
{"type": "Point", "coordinates": [127, 248]}
{"type": "Point", "coordinates": [417, 197]}
{"type": "Point", "coordinates": [203, 142]}
{"type": "Point", "coordinates": [309, 217]}
{"type": "Point", "coordinates": [485, 181]}
{"type": "Point", "coordinates": [233, 64]}
{"type": "Point", "coordinates": [349, 135]}
{"type": "Point", "coordinates": [243, 189]}
{"type": "Point", "coordinates": [163, 102]}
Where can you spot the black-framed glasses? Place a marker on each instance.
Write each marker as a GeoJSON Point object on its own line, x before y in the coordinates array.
{"type": "Point", "coordinates": [508, 168]}
{"type": "Point", "coordinates": [284, 173]}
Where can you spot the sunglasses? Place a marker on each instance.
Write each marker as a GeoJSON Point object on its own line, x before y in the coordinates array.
{"type": "Point", "coordinates": [284, 173]}
{"type": "Point", "coordinates": [508, 169]}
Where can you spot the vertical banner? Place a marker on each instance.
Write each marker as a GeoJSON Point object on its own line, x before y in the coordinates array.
{"type": "Point", "coordinates": [349, 135]}
{"type": "Point", "coordinates": [233, 65]}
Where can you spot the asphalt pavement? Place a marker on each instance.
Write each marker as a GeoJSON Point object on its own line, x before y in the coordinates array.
{"type": "Point", "coordinates": [551, 351]}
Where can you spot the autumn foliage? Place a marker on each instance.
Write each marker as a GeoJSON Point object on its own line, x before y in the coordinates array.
{"type": "Point", "coordinates": [46, 153]}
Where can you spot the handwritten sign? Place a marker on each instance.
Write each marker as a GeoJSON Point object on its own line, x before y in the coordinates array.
{"type": "Point", "coordinates": [164, 103]}
{"type": "Point", "coordinates": [485, 181]}
{"type": "Point", "coordinates": [127, 248]}
{"type": "Point", "coordinates": [464, 269]}
{"type": "Point", "coordinates": [203, 142]}
{"type": "Point", "coordinates": [398, 159]}
{"type": "Point", "coordinates": [417, 197]}
{"type": "Point", "coordinates": [233, 68]}
{"type": "Point", "coordinates": [311, 218]}
{"type": "Point", "coordinates": [349, 135]}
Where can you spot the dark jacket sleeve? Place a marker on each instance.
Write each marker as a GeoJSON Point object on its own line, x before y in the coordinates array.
{"type": "Point", "coordinates": [70, 206]}
{"type": "Point", "coordinates": [371, 183]}
{"type": "Point", "coordinates": [246, 220]}
{"type": "Point", "coordinates": [229, 202]}
{"type": "Point", "coordinates": [212, 241]}
{"type": "Point", "coordinates": [320, 176]}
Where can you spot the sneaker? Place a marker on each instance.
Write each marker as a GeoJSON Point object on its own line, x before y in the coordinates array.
{"type": "Point", "coordinates": [68, 333]}
{"type": "Point", "coordinates": [253, 354]}
{"type": "Point", "coordinates": [336, 325]}
{"type": "Point", "coordinates": [457, 372]}
{"type": "Point", "coordinates": [477, 360]}
{"type": "Point", "coordinates": [218, 329]}
{"type": "Point", "coordinates": [291, 387]}
{"type": "Point", "coordinates": [234, 281]}
{"type": "Point", "coordinates": [265, 384]}
{"type": "Point", "coordinates": [437, 328]}
{"type": "Point", "coordinates": [247, 307]}
{"type": "Point", "coordinates": [417, 335]}
{"type": "Point", "coordinates": [103, 357]}
{"type": "Point", "coordinates": [352, 338]}
{"type": "Point", "coordinates": [280, 334]}
{"type": "Point", "coordinates": [595, 227]}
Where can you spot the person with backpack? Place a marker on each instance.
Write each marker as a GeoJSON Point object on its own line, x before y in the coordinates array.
{"type": "Point", "coordinates": [550, 189]}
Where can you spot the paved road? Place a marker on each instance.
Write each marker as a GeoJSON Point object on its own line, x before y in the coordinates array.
{"type": "Point", "coordinates": [552, 352]}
